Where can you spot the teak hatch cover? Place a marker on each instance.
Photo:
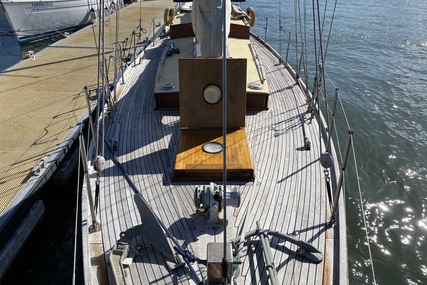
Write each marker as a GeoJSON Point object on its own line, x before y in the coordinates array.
{"type": "Point", "coordinates": [201, 104]}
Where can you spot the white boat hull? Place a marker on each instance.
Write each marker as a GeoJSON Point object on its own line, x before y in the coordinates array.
{"type": "Point", "coordinates": [32, 20]}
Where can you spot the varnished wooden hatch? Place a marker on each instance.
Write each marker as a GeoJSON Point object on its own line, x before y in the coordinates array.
{"type": "Point", "coordinates": [201, 122]}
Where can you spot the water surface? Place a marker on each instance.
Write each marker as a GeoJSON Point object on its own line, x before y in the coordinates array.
{"type": "Point", "coordinates": [377, 57]}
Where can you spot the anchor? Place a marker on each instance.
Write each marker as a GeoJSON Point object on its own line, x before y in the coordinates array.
{"type": "Point", "coordinates": [151, 231]}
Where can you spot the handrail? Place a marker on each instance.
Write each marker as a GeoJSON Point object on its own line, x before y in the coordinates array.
{"type": "Point", "coordinates": [334, 189]}
{"type": "Point", "coordinates": [340, 181]}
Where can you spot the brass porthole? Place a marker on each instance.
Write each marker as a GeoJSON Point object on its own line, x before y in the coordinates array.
{"type": "Point", "coordinates": [212, 94]}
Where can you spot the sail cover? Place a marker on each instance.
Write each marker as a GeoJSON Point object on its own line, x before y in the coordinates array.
{"type": "Point", "coordinates": [207, 19]}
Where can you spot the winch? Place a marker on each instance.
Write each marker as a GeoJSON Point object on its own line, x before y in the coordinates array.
{"type": "Point", "coordinates": [209, 198]}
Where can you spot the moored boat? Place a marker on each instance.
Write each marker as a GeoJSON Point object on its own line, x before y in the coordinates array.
{"type": "Point", "coordinates": [214, 165]}
{"type": "Point", "coordinates": [33, 20]}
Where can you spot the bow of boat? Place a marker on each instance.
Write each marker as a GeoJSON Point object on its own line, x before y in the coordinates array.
{"type": "Point", "coordinates": [163, 208]}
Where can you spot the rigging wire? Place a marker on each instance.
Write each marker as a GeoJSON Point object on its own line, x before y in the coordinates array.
{"type": "Point", "coordinates": [305, 41]}
{"type": "Point", "coordinates": [76, 220]}
{"type": "Point", "coordinates": [322, 54]}
{"type": "Point", "coordinates": [224, 134]}
{"type": "Point", "coordinates": [346, 119]}
{"type": "Point", "coordinates": [296, 4]}
{"type": "Point", "coordinates": [364, 218]}
{"type": "Point", "coordinates": [322, 60]}
{"type": "Point", "coordinates": [280, 28]}
{"type": "Point", "coordinates": [330, 26]}
{"type": "Point", "coordinates": [359, 188]}
{"type": "Point", "coordinates": [94, 36]}
{"type": "Point", "coordinates": [102, 89]}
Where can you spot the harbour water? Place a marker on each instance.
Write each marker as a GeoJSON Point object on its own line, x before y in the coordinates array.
{"type": "Point", "coordinates": [9, 46]}
{"type": "Point", "coordinates": [377, 57]}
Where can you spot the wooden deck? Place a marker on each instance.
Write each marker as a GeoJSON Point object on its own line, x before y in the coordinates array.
{"type": "Point", "coordinates": [288, 194]}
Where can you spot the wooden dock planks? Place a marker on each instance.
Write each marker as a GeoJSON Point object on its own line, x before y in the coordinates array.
{"type": "Point", "coordinates": [43, 98]}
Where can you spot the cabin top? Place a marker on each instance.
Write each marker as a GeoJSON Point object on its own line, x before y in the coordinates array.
{"type": "Point", "coordinates": [182, 44]}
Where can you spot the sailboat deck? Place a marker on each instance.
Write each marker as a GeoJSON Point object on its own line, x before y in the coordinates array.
{"type": "Point", "coordinates": [288, 194]}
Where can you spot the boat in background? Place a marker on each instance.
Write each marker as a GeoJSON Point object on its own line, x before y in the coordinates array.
{"type": "Point", "coordinates": [33, 20]}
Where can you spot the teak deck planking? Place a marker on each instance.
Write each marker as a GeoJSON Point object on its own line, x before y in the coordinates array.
{"type": "Point", "coordinates": [288, 193]}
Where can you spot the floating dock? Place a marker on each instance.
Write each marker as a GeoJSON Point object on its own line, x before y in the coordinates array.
{"type": "Point", "coordinates": [44, 105]}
